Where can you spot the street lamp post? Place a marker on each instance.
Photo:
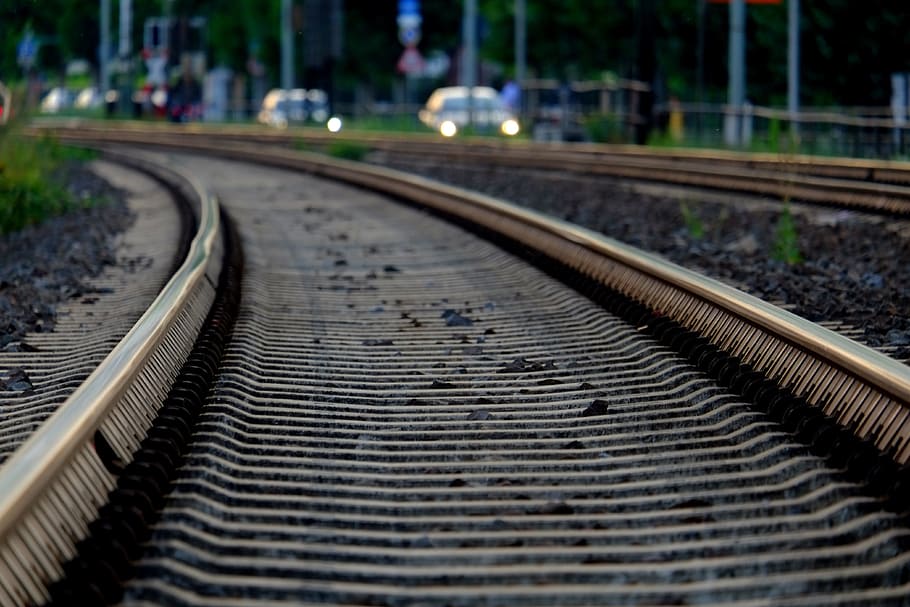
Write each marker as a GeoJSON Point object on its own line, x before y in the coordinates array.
{"type": "Point", "coordinates": [521, 58]}
{"type": "Point", "coordinates": [287, 49]}
{"type": "Point", "coordinates": [104, 48]}
{"type": "Point", "coordinates": [793, 65]}
{"type": "Point", "coordinates": [733, 122]}
{"type": "Point", "coordinates": [124, 49]}
{"type": "Point", "coordinates": [469, 69]}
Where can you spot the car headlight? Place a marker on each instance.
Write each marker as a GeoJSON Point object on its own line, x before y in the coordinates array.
{"type": "Point", "coordinates": [509, 127]}
{"type": "Point", "coordinates": [448, 128]}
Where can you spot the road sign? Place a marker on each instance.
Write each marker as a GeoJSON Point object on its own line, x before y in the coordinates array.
{"type": "Point", "coordinates": [411, 62]}
{"type": "Point", "coordinates": [27, 50]}
{"type": "Point", "coordinates": [409, 36]}
{"type": "Point", "coordinates": [408, 7]}
{"type": "Point", "coordinates": [409, 21]}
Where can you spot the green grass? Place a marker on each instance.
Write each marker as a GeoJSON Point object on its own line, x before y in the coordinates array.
{"type": "Point", "coordinates": [786, 241]}
{"type": "Point", "coordinates": [694, 225]}
{"type": "Point", "coordinates": [604, 129]}
{"type": "Point", "coordinates": [396, 123]}
{"type": "Point", "coordinates": [28, 191]}
{"type": "Point", "coordinates": [348, 150]}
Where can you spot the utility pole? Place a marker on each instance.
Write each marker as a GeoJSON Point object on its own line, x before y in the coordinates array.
{"type": "Point", "coordinates": [793, 65]}
{"type": "Point", "coordinates": [104, 48]}
{"type": "Point", "coordinates": [126, 28]}
{"type": "Point", "coordinates": [124, 49]}
{"type": "Point", "coordinates": [700, 67]}
{"type": "Point", "coordinates": [734, 120]}
{"type": "Point", "coordinates": [469, 69]}
{"type": "Point", "coordinates": [646, 71]}
{"type": "Point", "coordinates": [287, 48]}
{"type": "Point", "coordinates": [521, 30]}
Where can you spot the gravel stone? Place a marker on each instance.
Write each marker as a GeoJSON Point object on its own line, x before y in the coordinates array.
{"type": "Point", "coordinates": [853, 272]}
{"type": "Point", "coordinates": [597, 408]}
{"type": "Point", "coordinates": [454, 319]}
{"type": "Point", "coordinates": [42, 266]}
{"type": "Point", "coordinates": [15, 380]}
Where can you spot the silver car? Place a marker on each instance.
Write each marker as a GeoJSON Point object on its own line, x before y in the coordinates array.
{"type": "Point", "coordinates": [449, 110]}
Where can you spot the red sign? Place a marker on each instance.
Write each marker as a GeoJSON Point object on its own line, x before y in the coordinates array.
{"type": "Point", "coordinates": [410, 62]}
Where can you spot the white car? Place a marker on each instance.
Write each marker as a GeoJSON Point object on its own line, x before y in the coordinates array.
{"type": "Point", "coordinates": [281, 107]}
{"type": "Point", "coordinates": [56, 100]}
{"type": "Point", "coordinates": [88, 98]}
{"type": "Point", "coordinates": [447, 111]}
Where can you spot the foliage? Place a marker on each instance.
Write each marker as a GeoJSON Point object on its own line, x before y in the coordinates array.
{"type": "Point", "coordinates": [348, 150]}
{"type": "Point", "coordinates": [604, 128]}
{"type": "Point", "coordinates": [28, 194]}
{"type": "Point", "coordinates": [391, 122]}
{"type": "Point", "coordinates": [65, 29]}
{"type": "Point", "coordinates": [786, 243]}
{"type": "Point", "coordinates": [694, 225]}
{"type": "Point", "coordinates": [849, 49]}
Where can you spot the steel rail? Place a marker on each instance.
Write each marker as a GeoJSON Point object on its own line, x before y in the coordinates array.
{"type": "Point", "coordinates": [846, 168]}
{"type": "Point", "coordinates": [867, 185]}
{"type": "Point", "coordinates": [51, 485]}
{"type": "Point", "coordinates": [863, 390]}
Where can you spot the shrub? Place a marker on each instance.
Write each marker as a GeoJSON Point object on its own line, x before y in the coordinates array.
{"type": "Point", "coordinates": [604, 129]}
{"type": "Point", "coordinates": [29, 192]}
{"type": "Point", "coordinates": [786, 241]}
{"type": "Point", "coordinates": [348, 150]}
{"type": "Point", "coordinates": [694, 225]}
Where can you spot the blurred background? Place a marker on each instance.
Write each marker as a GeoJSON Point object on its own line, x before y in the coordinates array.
{"type": "Point", "coordinates": [823, 77]}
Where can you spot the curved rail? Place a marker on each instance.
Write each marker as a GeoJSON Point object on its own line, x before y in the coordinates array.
{"type": "Point", "coordinates": [862, 389]}
{"type": "Point", "coordinates": [52, 486]}
{"type": "Point", "coordinates": [867, 185]}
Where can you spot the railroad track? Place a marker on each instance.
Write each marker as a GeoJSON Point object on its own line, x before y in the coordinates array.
{"type": "Point", "coordinates": [870, 186]}
{"type": "Point", "coordinates": [407, 414]}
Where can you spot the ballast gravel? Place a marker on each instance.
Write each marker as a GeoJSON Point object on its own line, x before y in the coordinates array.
{"type": "Point", "coordinates": [853, 272]}
{"type": "Point", "coordinates": [853, 269]}
{"type": "Point", "coordinates": [45, 265]}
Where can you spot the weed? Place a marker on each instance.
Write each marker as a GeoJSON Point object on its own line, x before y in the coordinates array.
{"type": "Point", "coordinates": [786, 242]}
{"type": "Point", "coordinates": [28, 193]}
{"type": "Point", "coordinates": [694, 225]}
{"type": "Point", "coordinates": [348, 150]}
{"type": "Point", "coordinates": [604, 129]}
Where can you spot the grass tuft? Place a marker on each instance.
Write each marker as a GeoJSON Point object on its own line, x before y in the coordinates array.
{"type": "Point", "coordinates": [694, 225]}
{"type": "Point", "coordinates": [786, 241]}
{"type": "Point", "coordinates": [348, 150]}
{"type": "Point", "coordinates": [29, 192]}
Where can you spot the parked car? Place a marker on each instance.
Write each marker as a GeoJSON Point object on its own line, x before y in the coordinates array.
{"type": "Point", "coordinates": [317, 104]}
{"type": "Point", "coordinates": [281, 107]}
{"type": "Point", "coordinates": [57, 99]}
{"type": "Point", "coordinates": [447, 111]}
{"type": "Point", "coordinates": [88, 98]}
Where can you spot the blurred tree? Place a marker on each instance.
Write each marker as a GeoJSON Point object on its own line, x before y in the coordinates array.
{"type": "Point", "coordinates": [565, 39]}
{"type": "Point", "coordinates": [14, 18]}
{"type": "Point", "coordinates": [849, 49]}
{"type": "Point", "coordinates": [234, 26]}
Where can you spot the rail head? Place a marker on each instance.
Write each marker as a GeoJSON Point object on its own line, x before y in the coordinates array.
{"type": "Point", "coordinates": [62, 450]}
